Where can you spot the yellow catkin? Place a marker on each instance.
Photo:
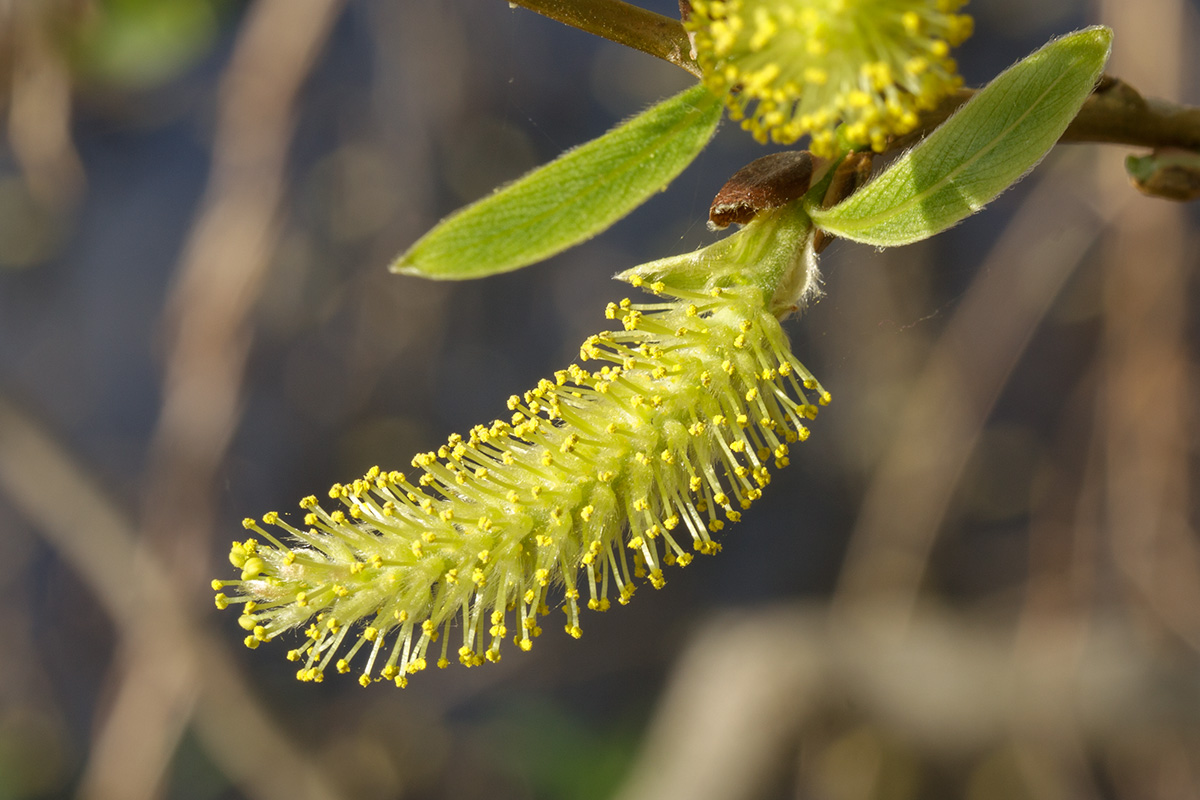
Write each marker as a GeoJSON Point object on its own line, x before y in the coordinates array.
{"type": "Point", "coordinates": [790, 68]}
{"type": "Point", "coordinates": [618, 466]}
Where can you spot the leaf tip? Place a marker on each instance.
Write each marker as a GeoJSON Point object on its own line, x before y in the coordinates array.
{"type": "Point", "coordinates": [412, 264]}
{"type": "Point", "coordinates": [403, 265]}
{"type": "Point", "coordinates": [1097, 39]}
{"type": "Point", "coordinates": [1100, 33]}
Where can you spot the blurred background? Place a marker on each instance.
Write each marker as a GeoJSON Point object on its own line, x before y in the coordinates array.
{"type": "Point", "coordinates": [979, 578]}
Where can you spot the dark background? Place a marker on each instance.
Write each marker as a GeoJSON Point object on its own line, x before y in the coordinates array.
{"type": "Point", "coordinates": [979, 578]}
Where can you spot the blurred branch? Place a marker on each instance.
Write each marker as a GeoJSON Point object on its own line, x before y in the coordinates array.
{"type": "Point", "coordinates": [950, 401]}
{"type": "Point", "coordinates": [1145, 410]}
{"type": "Point", "coordinates": [39, 116]}
{"type": "Point", "coordinates": [220, 277]}
{"type": "Point", "coordinates": [1064, 526]}
{"type": "Point", "coordinates": [622, 23]}
{"type": "Point", "coordinates": [45, 484]}
{"type": "Point", "coordinates": [223, 268]}
{"type": "Point", "coordinates": [950, 687]}
{"type": "Point", "coordinates": [724, 739]}
{"type": "Point", "coordinates": [1143, 413]}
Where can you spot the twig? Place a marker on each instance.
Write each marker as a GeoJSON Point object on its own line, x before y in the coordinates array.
{"type": "Point", "coordinates": [623, 23]}
{"type": "Point", "coordinates": [1116, 113]}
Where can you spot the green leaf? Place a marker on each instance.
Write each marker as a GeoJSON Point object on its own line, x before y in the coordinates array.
{"type": "Point", "coordinates": [988, 145]}
{"type": "Point", "coordinates": [571, 199]}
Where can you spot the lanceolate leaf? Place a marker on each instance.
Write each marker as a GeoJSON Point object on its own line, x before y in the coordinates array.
{"type": "Point", "coordinates": [574, 197]}
{"type": "Point", "coordinates": [988, 145]}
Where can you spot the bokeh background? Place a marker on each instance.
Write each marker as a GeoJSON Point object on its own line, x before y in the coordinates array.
{"type": "Point", "coordinates": [980, 577]}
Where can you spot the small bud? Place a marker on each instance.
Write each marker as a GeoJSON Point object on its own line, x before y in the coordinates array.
{"type": "Point", "coordinates": [763, 184]}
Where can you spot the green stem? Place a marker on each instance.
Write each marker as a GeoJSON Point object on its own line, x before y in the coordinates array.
{"type": "Point", "coordinates": [623, 23]}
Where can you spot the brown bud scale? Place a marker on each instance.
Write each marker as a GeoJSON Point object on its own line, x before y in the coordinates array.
{"type": "Point", "coordinates": [763, 184]}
